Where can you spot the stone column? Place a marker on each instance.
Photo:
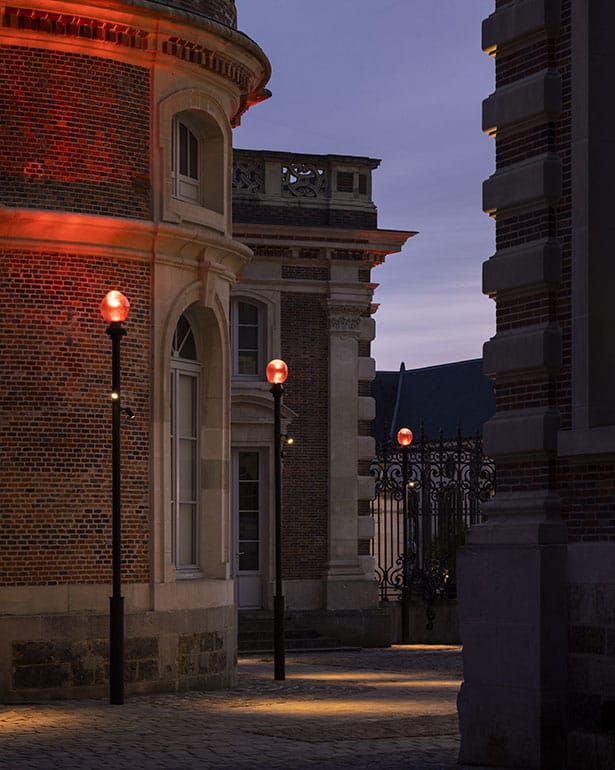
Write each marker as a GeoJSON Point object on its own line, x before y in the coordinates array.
{"type": "Point", "coordinates": [347, 585]}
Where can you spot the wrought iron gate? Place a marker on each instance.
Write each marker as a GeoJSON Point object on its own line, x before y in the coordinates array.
{"type": "Point", "coordinates": [446, 482]}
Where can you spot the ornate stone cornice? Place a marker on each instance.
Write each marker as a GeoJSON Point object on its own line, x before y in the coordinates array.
{"type": "Point", "coordinates": [137, 240]}
{"type": "Point", "coordinates": [91, 31]}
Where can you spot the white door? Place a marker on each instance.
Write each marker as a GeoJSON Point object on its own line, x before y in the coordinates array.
{"type": "Point", "coordinates": [248, 527]}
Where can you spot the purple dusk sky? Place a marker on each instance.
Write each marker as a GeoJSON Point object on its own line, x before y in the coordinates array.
{"type": "Point", "coordinates": [403, 81]}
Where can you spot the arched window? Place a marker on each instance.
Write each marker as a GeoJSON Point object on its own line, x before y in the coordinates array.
{"type": "Point", "coordinates": [248, 338]}
{"type": "Point", "coordinates": [185, 387]}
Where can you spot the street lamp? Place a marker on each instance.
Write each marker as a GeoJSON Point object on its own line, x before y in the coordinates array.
{"type": "Point", "coordinates": [114, 309]}
{"type": "Point", "coordinates": [404, 439]}
{"type": "Point", "coordinates": [277, 372]}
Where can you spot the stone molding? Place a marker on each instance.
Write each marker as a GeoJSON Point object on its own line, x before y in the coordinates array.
{"type": "Point", "coordinates": [142, 240]}
{"type": "Point", "coordinates": [518, 20]}
{"type": "Point", "coordinates": [528, 182]}
{"type": "Point", "coordinates": [536, 96]}
{"type": "Point", "coordinates": [586, 442]}
{"type": "Point", "coordinates": [534, 265]}
{"type": "Point", "coordinates": [527, 348]}
{"type": "Point", "coordinates": [520, 432]}
{"type": "Point", "coordinates": [537, 504]}
{"type": "Point", "coordinates": [375, 245]}
{"type": "Point", "coordinates": [517, 530]}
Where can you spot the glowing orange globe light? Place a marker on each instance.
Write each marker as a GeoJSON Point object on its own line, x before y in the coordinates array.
{"type": "Point", "coordinates": [115, 307]}
{"type": "Point", "coordinates": [404, 437]}
{"type": "Point", "coordinates": [277, 371]}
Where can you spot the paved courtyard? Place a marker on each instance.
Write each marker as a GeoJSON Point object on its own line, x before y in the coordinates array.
{"type": "Point", "coordinates": [344, 710]}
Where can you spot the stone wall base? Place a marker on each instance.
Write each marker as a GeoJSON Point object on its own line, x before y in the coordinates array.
{"type": "Point", "coordinates": [356, 628]}
{"type": "Point", "coordinates": [444, 622]}
{"type": "Point", "coordinates": [66, 655]}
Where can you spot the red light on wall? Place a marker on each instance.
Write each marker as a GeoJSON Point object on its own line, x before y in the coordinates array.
{"type": "Point", "coordinates": [277, 371]}
{"type": "Point", "coordinates": [115, 307]}
{"type": "Point", "coordinates": [404, 437]}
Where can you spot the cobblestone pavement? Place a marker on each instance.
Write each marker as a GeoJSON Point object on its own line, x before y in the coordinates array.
{"type": "Point", "coordinates": [345, 710]}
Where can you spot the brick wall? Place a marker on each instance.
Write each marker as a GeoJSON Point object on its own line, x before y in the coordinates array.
{"type": "Point", "coordinates": [305, 349]}
{"type": "Point", "coordinates": [305, 273]}
{"type": "Point", "coordinates": [518, 309]}
{"type": "Point", "coordinates": [586, 487]}
{"type": "Point", "coordinates": [588, 502]}
{"type": "Point", "coordinates": [55, 379]}
{"type": "Point", "coordinates": [75, 133]}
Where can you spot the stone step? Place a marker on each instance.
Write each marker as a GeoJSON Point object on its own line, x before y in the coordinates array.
{"type": "Point", "coordinates": [256, 634]}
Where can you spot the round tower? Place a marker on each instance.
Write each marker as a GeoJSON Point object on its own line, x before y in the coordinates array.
{"type": "Point", "coordinates": [115, 173]}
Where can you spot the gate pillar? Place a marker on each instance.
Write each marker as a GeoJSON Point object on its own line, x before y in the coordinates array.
{"type": "Point", "coordinates": [512, 603]}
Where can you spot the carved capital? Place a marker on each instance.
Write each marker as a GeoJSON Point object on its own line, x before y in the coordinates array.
{"type": "Point", "coordinates": [345, 318]}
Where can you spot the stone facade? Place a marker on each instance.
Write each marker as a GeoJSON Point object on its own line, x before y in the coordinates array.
{"type": "Point", "coordinates": [311, 223]}
{"type": "Point", "coordinates": [93, 95]}
{"type": "Point", "coordinates": [537, 580]}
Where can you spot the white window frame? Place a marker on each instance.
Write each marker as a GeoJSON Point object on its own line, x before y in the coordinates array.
{"type": "Point", "coordinates": [258, 453]}
{"type": "Point", "coordinates": [185, 368]}
{"type": "Point", "coordinates": [185, 186]}
{"type": "Point", "coordinates": [261, 338]}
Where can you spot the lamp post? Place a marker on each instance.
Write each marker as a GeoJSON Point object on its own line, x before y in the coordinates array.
{"type": "Point", "coordinates": [404, 439]}
{"type": "Point", "coordinates": [114, 309]}
{"type": "Point", "coordinates": [277, 372]}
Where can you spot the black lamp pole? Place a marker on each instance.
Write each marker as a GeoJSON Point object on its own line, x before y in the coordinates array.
{"type": "Point", "coordinates": [278, 602]}
{"type": "Point", "coordinates": [277, 372]}
{"type": "Point", "coordinates": [404, 439]}
{"type": "Point", "coordinates": [114, 309]}
{"type": "Point", "coordinates": [405, 588]}
{"type": "Point", "coordinates": [116, 601]}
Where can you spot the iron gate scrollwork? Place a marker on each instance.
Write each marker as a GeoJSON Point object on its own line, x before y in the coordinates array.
{"type": "Point", "coordinates": [447, 480]}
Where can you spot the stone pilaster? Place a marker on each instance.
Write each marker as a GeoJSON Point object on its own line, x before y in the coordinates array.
{"type": "Point", "coordinates": [347, 584]}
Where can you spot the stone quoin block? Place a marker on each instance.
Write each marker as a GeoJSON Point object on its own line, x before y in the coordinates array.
{"type": "Point", "coordinates": [517, 20]}
{"type": "Point", "coordinates": [539, 96]}
{"type": "Point", "coordinates": [531, 181]}
{"type": "Point", "coordinates": [531, 266]}
{"type": "Point", "coordinates": [523, 349]}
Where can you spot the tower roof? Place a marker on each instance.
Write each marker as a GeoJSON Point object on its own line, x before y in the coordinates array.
{"type": "Point", "coordinates": [222, 11]}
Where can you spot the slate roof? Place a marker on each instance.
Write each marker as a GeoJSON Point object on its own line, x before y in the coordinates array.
{"type": "Point", "coordinates": [439, 397]}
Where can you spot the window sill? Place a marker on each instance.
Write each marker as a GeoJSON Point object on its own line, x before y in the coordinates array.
{"type": "Point", "coordinates": [183, 211]}
{"type": "Point", "coordinates": [189, 574]}
{"type": "Point", "coordinates": [248, 378]}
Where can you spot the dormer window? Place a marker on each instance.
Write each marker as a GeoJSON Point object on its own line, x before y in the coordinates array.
{"type": "Point", "coordinates": [195, 140]}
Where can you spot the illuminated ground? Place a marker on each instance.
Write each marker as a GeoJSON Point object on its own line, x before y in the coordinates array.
{"type": "Point", "coordinates": [388, 709]}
